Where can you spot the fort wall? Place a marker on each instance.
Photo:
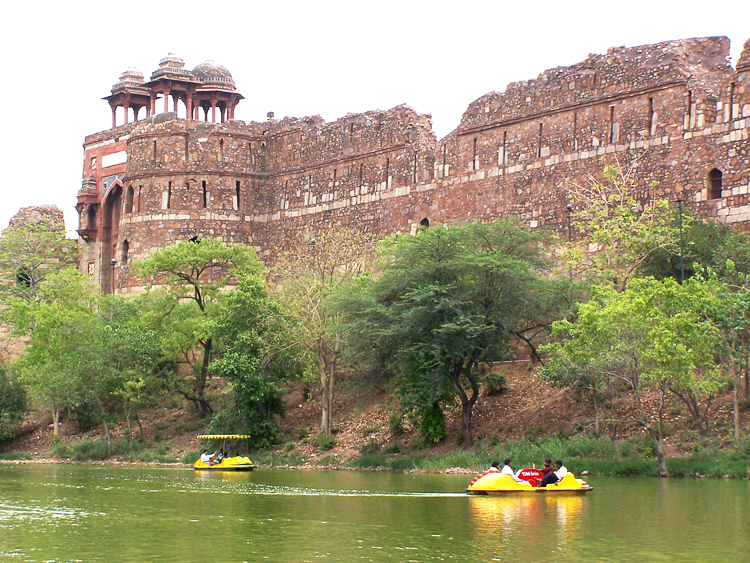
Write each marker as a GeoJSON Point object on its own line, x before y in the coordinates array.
{"type": "Point", "coordinates": [676, 112]}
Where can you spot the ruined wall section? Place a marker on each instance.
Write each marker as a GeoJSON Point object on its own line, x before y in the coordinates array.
{"type": "Point", "coordinates": [347, 171]}
{"type": "Point", "coordinates": [517, 153]}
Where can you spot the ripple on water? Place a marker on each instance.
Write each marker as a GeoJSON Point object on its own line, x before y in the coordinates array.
{"type": "Point", "coordinates": [13, 515]}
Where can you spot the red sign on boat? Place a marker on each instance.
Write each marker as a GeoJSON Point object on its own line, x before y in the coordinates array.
{"type": "Point", "coordinates": [533, 476]}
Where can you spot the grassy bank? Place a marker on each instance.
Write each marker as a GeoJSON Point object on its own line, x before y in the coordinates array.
{"type": "Point", "coordinates": [580, 453]}
{"type": "Point", "coordinates": [100, 450]}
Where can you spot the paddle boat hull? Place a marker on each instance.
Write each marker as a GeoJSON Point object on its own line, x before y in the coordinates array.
{"type": "Point", "coordinates": [496, 483]}
{"type": "Point", "coordinates": [238, 463]}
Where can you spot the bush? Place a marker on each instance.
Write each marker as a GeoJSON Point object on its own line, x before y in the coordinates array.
{"type": "Point", "coordinates": [396, 424]}
{"type": "Point", "coordinates": [324, 443]}
{"type": "Point", "coordinates": [432, 425]}
{"type": "Point", "coordinates": [495, 383]}
{"type": "Point", "coordinates": [371, 447]}
{"type": "Point", "coordinates": [369, 460]}
{"type": "Point", "coordinates": [303, 433]}
{"type": "Point", "coordinates": [12, 406]}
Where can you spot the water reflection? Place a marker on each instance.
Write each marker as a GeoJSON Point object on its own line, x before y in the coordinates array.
{"type": "Point", "coordinates": [147, 514]}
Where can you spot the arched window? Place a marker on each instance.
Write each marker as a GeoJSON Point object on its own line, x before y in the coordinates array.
{"type": "Point", "coordinates": [424, 222]}
{"type": "Point", "coordinates": [125, 249]}
{"type": "Point", "coordinates": [129, 200]}
{"type": "Point", "coordinates": [714, 183]}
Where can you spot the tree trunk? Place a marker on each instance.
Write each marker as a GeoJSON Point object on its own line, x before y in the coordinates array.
{"type": "Point", "coordinates": [467, 403]}
{"type": "Point", "coordinates": [596, 415]}
{"type": "Point", "coordinates": [659, 449]}
{"type": "Point", "coordinates": [127, 420]}
{"type": "Point", "coordinates": [325, 418]}
{"type": "Point", "coordinates": [200, 386]}
{"type": "Point", "coordinates": [140, 428]}
{"type": "Point", "coordinates": [736, 405]}
{"type": "Point", "coordinates": [56, 422]}
{"type": "Point", "coordinates": [613, 437]}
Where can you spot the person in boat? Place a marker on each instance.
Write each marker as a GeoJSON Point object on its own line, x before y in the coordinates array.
{"type": "Point", "coordinates": [206, 457]}
{"type": "Point", "coordinates": [221, 455]}
{"type": "Point", "coordinates": [494, 468]}
{"type": "Point", "coordinates": [508, 470]}
{"type": "Point", "coordinates": [554, 476]}
{"type": "Point", "coordinates": [547, 467]}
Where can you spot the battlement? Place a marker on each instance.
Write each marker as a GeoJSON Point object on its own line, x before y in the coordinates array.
{"type": "Point", "coordinates": [699, 65]}
{"type": "Point", "coordinates": [676, 112]}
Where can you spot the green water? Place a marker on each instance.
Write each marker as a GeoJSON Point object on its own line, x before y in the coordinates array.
{"type": "Point", "coordinates": [69, 513]}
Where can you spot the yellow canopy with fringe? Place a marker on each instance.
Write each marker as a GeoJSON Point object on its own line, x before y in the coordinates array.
{"type": "Point", "coordinates": [223, 437]}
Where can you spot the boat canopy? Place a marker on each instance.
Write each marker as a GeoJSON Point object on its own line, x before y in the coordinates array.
{"type": "Point", "coordinates": [223, 437]}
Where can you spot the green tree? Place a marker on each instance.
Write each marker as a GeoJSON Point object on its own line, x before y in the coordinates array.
{"type": "Point", "coordinates": [306, 281]}
{"type": "Point", "coordinates": [622, 229]}
{"type": "Point", "coordinates": [446, 300]}
{"type": "Point", "coordinates": [194, 274]}
{"type": "Point", "coordinates": [60, 326]}
{"type": "Point", "coordinates": [257, 357]}
{"type": "Point", "coordinates": [653, 339]}
{"type": "Point", "coordinates": [31, 251]}
{"type": "Point", "coordinates": [12, 404]}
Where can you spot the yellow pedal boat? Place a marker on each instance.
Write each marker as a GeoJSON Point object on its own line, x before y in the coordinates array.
{"type": "Point", "coordinates": [235, 463]}
{"type": "Point", "coordinates": [496, 483]}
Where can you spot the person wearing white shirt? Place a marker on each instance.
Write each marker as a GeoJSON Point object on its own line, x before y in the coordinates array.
{"type": "Point", "coordinates": [508, 470]}
{"type": "Point", "coordinates": [555, 476]}
{"type": "Point", "coordinates": [206, 458]}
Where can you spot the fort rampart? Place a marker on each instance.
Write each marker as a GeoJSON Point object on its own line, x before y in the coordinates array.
{"type": "Point", "coordinates": [676, 112]}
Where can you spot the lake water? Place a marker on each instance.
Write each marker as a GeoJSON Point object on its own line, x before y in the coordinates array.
{"type": "Point", "coordinates": [71, 513]}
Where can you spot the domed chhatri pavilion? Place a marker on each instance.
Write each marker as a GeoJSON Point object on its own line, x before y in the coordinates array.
{"type": "Point", "coordinates": [176, 164]}
{"type": "Point", "coordinates": [209, 87]}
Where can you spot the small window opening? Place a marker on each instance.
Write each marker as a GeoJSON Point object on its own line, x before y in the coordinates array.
{"type": "Point", "coordinates": [221, 150]}
{"type": "Point", "coordinates": [475, 158]}
{"type": "Point", "coordinates": [169, 194]}
{"type": "Point", "coordinates": [129, 200]}
{"type": "Point", "coordinates": [154, 151]}
{"type": "Point", "coordinates": [387, 171]}
{"type": "Point", "coordinates": [505, 148]}
{"type": "Point", "coordinates": [424, 222]}
{"type": "Point", "coordinates": [539, 142]}
{"type": "Point", "coordinates": [125, 249]}
{"type": "Point", "coordinates": [237, 192]}
{"type": "Point", "coordinates": [205, 195]}
{"type": "Point", "coordinates": [611, 124]}
{"type": "Point", "coordinates": [714, 183]}
{"type": "Point", "coordinates": [445, 157]}
{"type": "Point", "coordinates": [731, 101]}
{"type": "Point", "coordinates": [140, 189]}
{"type": "Point", "coordinates": [91, 218]}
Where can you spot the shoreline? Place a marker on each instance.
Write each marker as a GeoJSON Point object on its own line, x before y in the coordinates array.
{"type": "Point", "coordinates": [313, 467]}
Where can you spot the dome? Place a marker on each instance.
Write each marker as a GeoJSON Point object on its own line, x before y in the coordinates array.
{"type": "Point", "coordinates": [171, 66]}
{"type": "Point", "coordinates": [213, 74]}
{"type": "Point", "coordinates": [129, 79]}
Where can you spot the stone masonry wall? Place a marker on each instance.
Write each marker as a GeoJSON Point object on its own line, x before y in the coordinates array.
{"type": "Point", "coordinates": [675, 112]}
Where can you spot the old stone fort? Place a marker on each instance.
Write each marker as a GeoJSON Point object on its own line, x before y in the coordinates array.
{"type": "Point", "coordinates": [176, 165]}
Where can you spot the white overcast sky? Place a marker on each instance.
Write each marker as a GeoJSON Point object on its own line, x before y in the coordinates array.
{"type": "Point", "coordinates": [297, 58]}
